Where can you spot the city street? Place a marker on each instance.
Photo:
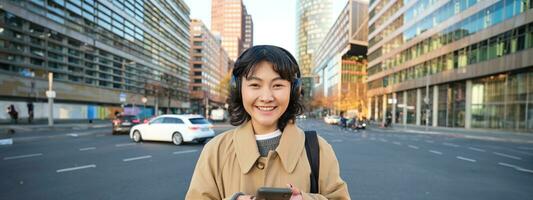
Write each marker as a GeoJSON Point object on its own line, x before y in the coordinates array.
{"type": "Point", "coordinates": [376, 163]}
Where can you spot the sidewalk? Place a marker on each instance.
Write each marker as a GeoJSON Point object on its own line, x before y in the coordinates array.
{"type": "Point", "coordinates": [40, 128]}
{"type": "Point", "coordinates": [478, 134]}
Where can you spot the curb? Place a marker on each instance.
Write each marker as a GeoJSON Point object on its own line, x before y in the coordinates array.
{"type": "Point", "coordinates": [465, 136]}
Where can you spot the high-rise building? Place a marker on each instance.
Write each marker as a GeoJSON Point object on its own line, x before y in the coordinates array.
{"type": "Point", "coordinates": [248, 31]}
{"type": "Point", "coordinates": [105, 56]}
{"type": "Point", "coordinates": [313, 20]}
{"type": "Point", "coordinates": [340, 63]}
{"type": "Point", "coordinates": [228, 20]}
{"type": "Point", "coordinates": [209, 70]}
{"type": "Point", "coordinates": [458, 63]}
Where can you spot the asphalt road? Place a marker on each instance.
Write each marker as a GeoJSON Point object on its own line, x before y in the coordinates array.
{"type": "Point", "coordinates": [376, 164]}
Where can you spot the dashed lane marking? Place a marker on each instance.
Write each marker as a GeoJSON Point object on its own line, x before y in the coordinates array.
{"type": "Point", "coordinates": [185, 151]}
{"type": "Point", "coordinates": [435, 152]}
{"type": "Point", "coordinates": [75, 168]}
{"type": "Point", "coordinates": [23, 156]}
{"type": "Point", "coordinates": [87, 148]}
{"type": "Point", "coordinates": [124, 144]}
{"type": "Point", "coordinates": [507, 156]}
{"type": "Point", "coordinates": [515, 167]}
{"type": "Point", "coordinates": [476, 149]}
{"type": "Point", "coordinates": [136, 158]}
{"type": "Point", "coordinates": [465, 159]}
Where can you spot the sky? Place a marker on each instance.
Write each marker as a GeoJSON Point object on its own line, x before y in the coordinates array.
{"type": "Point", "coordinates": [274, 20]}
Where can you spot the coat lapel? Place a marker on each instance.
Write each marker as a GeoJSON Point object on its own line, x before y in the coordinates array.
{"type": "Point", "coordinates": [291, 146]}
{"type": "Point", "coordinates": [245, 146]}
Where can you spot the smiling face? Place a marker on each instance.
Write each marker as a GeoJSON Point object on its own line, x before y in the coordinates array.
{"type": "Point", "coordinates": [265, 96]}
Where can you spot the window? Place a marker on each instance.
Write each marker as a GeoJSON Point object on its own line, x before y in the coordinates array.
{"type": "Point", "coordinates": [157, 120]}
{"type": "Point", "coordinates": [198, 121]}
{"type": "Point", "coordinates": [171, 120]}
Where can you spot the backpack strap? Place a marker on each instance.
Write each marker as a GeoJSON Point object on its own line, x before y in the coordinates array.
{"type": "Point", "coordinates": [312, 150]}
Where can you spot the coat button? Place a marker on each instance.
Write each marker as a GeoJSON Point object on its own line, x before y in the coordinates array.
{"type": "Point", "coordinates": [260, 165]}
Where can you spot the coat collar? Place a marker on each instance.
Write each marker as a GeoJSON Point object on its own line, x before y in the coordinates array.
{"type": "Point", "coordinates": [290, 147]}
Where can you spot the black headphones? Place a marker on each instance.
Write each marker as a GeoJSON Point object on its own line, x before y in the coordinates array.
{"type": "Point", "coordinates": [296, 88]}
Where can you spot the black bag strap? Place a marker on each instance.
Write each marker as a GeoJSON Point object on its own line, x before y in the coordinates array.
{"type": "Point", "coordinates": [312, 149]}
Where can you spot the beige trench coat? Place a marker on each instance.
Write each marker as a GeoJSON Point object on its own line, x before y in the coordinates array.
{"type": "Point", "coordinates": [231, 163]}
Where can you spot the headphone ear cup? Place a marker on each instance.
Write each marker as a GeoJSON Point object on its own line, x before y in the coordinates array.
{"type": "Point", "coordinates": [297, 87]}
{"type": "Point", "coordinates": [233, 82]}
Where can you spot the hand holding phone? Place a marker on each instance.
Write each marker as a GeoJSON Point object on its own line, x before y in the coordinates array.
{"type": "Point", "coordinates": [271, 193]}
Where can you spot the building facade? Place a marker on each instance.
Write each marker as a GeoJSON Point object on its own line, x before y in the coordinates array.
{"type": "Point", "coordinates": [455, 63]}
{"type": "Point", "coordinates": [228, 19]}
{"type": "Point", "coordinates": [248, 30]}
{"type": "Point", "coordinates": [313, 20]}
{"type": "Point", "coordinates": [104, 56]}
{"type": "Point", "coordinates": [209, 70]}
{"type": "Point", "coordinates": [340, 63]}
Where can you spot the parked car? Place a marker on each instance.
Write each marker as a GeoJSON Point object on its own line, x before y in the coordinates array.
{"type": "Point", "coordinates": [123, 123]}
{"type": "Point", "coordinates": [332, 119]}
{"type": "Point", "coordinates": [174, 128]}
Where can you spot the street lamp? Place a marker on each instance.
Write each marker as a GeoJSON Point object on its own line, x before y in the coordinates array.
{"type": "Point", "coordinates": [144, 100]}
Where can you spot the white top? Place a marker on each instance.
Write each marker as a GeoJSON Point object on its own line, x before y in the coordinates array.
{"type": "Point", "coordinates": [267, 136]}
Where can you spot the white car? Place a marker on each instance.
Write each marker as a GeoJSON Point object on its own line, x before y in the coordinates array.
{"type": "Point", "coordinates": [174, 128]}
{"type": "Point", "coordinates": [333, 119]}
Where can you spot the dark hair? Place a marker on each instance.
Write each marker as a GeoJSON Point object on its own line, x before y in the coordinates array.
{"type": "Point", "coordinates": [283, 63]}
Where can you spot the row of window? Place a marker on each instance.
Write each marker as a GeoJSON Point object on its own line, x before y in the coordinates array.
{"type": "Point", "coordinates": [506, 43]}
{"type": "Point", "coordinates": [471, 25]}
{"type": "Point", "coordinates": [116, 24]}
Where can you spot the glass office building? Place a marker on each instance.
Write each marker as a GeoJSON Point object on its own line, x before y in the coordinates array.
{"type": "Point", "coordinates": [102, 54]}
{"type": "Point", "coordinates": [452, 63]}
{"type": "Point", "coordinates": [340, 64]}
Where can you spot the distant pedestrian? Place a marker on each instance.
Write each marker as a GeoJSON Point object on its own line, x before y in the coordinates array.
{"type": "Point", "coordinates": [12, 113]}
{"type": "Point", "coordinates": [30, 112]}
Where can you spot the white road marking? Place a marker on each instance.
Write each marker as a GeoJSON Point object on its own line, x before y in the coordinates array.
{"type": "Point", "coordinates": [8, 141]}
{"type": "Point", "coordinates": [75, 168]}
{"type": "Point", "coordinates": [429, 141]}
{"type": "Point", "coordinates": [384, 140]}
{"type": "Point", "coordinates": [466, 159]}
{"type": "Point", "coordinates": [450, 144]}
{"type": "Point", "coordinates": [476, 149]}
{"type": "Point", "coordinates": [524, 170]}
{"type": "Point", "coordinates": [124, 144]}
{"type": "Point", "coordinates": [397, 143]}
{"type": "Point", "coordinates": [507, 165]}
{"type": "Point", "coordinates": [88, 148]}
{"type": "Point", "coordinates": [515, 167]}
{"type": "Point", "coordinates": [23, 156]}
{"type": "Point", "coordinates": [73, 134]}
{"type": "Point", "coordinates": [186, 151]}
{"type": "Point", "coordinates": [136, 158]}
{"type": "Point", "coordinates": [508, 156]}
{"type": "Point", "coordinates": [413, 147]}
{"type": "Point", "coordinates": [435, 152]}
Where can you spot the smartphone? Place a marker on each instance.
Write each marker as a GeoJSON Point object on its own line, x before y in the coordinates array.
{"type": "Point", "coordinates": [270, 193]}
